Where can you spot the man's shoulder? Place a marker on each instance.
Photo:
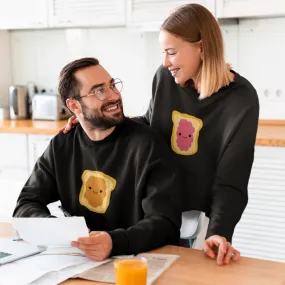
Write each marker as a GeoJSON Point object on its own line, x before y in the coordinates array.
{"type": "Point", "coordinates": [61, 139]}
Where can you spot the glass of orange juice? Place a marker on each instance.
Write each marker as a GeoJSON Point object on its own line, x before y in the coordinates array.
{"type": "Point", "coordinates": [131, 271]}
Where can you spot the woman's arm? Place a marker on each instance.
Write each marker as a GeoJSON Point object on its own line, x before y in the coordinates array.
{"type": "Point", "coordinates": [229, 192]}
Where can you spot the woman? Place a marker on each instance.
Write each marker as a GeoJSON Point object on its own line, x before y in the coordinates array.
{"type": "Point", "coordinates": [209, 115]}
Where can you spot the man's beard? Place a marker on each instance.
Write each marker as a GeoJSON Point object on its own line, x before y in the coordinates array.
{"type": "Point", "coordinates": [97, 120]}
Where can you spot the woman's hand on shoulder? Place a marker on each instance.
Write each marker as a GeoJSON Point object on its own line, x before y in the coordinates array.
{"type": "Point", "coordinates": [72, 121]}
{"type": "Point", "coordinates": [219, 248]}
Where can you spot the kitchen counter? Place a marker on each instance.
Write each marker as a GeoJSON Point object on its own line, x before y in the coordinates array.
{"type": "Point", "coordinates": [270, 133]}
{"type": "Point", "coordinates": [31, 127]}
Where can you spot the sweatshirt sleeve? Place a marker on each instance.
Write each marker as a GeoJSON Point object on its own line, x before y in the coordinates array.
{"type": "Point", "coordinates": [229, 192]}
{"type": "Point", "coordinates": [160, 204]}
{"type": "Point", "coordinates": [39, 190]}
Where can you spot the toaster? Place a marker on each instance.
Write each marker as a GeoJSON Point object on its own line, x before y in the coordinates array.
{"type": "Point", "coordinates": [48, 106]}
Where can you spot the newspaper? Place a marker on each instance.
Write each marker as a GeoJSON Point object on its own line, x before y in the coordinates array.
{"type": "Point", "coordinates": [157, 264]}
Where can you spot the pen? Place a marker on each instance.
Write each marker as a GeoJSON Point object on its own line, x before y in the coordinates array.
{"type": "Point", "coordinates": [66, 214]}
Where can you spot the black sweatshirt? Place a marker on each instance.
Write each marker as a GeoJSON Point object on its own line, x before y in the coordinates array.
{"type": "Point", "coordinates": [124, 184]}
{"type": "Point", "coordinates": [213, 140]}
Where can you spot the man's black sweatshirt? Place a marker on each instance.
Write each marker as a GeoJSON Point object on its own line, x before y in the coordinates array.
{"type": "Point", "coordinates": [124, 184]}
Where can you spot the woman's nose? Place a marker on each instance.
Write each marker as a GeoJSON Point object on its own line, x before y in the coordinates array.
{"type": "Point", "coordinates": [166, 61]}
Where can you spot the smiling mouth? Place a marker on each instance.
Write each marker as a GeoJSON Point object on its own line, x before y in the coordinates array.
{"type": "Point", "coordinates": [174, 71]}
{"type": "Point", "coordinates": [112, 108]}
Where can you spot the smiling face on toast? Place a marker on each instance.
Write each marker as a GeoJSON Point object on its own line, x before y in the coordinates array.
{"type": "Point", "coordinates": [95, 191]}
{"type": "Point", "coordinates": [184, 135]}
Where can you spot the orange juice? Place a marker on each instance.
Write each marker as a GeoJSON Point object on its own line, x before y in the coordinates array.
{"type": "Point", "coordinates": [131, 272]}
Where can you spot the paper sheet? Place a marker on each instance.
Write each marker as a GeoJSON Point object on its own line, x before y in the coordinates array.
{"type": "Point", "coordinates": [51, 231]}
{"type": "Point", "coordinates": [25, 271]}
{"type": "Point", "coordinates": [157, 264]}
{"type": "Point", "coordinates": [62, 250]}
{"type": "Point", "coordinates": [53, 278]}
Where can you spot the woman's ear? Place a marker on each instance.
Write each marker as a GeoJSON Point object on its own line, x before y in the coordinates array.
{"type": "Point", "coordinates": [73, 105]}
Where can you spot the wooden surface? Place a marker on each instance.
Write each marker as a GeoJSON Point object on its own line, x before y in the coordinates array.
{"type": "Point", "coordinates": [270, 133]}
{"type": "Point", "coordinates": [31, 127]}
{"type": "Point", "coordinates": [194, 268]}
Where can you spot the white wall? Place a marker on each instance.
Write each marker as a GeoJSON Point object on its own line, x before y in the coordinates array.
{"type": "Point", "coordinates": [5, 67]}
{"type": "Point", "coordinates": [39, 55]}
{"type": "Point", "coordinates": [262, 60]}
{"type": "Point", "coordinates": [255, 48]}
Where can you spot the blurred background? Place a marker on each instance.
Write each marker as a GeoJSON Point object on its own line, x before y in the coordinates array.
{"type": "Point", "coordinates": [38, 37]}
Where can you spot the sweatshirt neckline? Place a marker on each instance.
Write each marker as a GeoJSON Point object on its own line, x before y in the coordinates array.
{"type": "Point", "coordinates": [231, 85]}
{"type": "Point", "coordinates": [107, 139]}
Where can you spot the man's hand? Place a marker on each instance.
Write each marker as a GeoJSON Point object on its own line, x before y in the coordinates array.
{"type": "Point", "coordinates": [218, 247]}
{"type": "Point", "coordinates": [97, 246]}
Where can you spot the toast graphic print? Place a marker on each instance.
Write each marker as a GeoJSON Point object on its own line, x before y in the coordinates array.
{"type": "Point", "coordinates": [96, 191]}
{"type": "Point", "coordinates": [185, 133]}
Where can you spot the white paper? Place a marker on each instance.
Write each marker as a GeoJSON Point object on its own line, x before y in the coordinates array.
{"type": "Point", "coordinates": [63, 250]}
{"type": "Point", "coordinates": [157, 264]}
{"type": "Point", "coordinates": [27, 270]}
{"type": "Point", "coordinates": [51, 231]}
{"type": "Point", "coordinates": [53, 278]}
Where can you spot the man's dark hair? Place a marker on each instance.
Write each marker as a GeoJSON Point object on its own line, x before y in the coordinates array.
{"type": "Point", "coordinates": [68, 86]}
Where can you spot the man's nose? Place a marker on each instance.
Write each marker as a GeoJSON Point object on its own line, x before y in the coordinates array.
{"type": "Point", "coordinates": [112, 95]}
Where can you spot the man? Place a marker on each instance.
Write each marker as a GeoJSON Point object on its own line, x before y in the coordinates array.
{"type": "Point", "coordinates": [115, 172]}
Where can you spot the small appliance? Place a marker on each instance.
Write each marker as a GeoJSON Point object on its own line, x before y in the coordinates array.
{"type": "Point", "coordinates": [48, 106]}
{"type": "Point", "coordinates": [19, 103]}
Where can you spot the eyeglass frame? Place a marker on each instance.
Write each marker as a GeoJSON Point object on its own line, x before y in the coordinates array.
{"type": "Point", "coordinates": [94, 94]}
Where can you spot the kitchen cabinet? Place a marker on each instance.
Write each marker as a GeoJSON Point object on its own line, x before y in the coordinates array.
{"type": "Point", "coordinates": [30, 14]}
{"type": "Point", "coordinates": [19, 14]}
{"type": "Point", "coordinates": [37, 144]}
{"type": "Point", "coordinates": [249, 8]}
{"type": "Point", "coordinates": [18, 155]}
{"type": "Point", "coordinates": [13, 171]}
{"type": "Point", "coordinates": [88, 13]}
{"type": "Point", "coordinates": [13, 151]}
{"type": "Point", "coordinates": [11, 184]}
{"type": "Point", "coordinates": [261, 231]}
{"type": "Point", "coordinates": [149, 14]}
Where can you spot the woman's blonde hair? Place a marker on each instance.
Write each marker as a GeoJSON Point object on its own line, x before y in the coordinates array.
{"type": "Point", "coordinates": [194, 23]}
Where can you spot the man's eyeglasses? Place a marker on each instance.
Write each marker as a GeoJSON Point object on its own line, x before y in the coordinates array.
{"type": "Point", "coordinates": [102, 91]}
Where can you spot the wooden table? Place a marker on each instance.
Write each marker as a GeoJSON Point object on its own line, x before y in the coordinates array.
{"type": "Point", "coordinates": [194, 268]}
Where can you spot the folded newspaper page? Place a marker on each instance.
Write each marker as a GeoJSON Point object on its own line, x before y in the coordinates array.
{"type": "Point", "coordinates": [157, 264]}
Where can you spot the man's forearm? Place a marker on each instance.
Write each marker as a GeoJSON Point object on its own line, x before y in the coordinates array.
{"type": "Point", "coordinates": [30, 209]}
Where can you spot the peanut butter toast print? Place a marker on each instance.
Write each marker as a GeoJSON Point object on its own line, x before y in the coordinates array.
{"type": "Point", "coordinates": [96, 191]}
{"type": "Point", "coordinates": [185, 133]}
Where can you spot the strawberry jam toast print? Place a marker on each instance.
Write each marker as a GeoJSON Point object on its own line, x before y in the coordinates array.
{"type": "Point", "coordinates": [185, 133]}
